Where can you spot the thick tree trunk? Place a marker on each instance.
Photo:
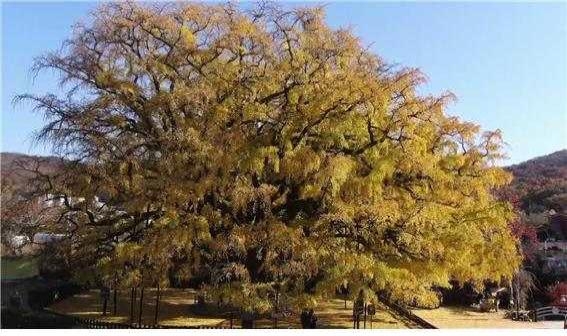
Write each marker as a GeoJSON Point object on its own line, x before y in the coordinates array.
{"type": "Point", "coordinates": [115, 302]}
{"type": "Point", "coordinates": [141, 306]}
{"type": "Point", "coordinates": [104, 305]}
{"type": "Point", "coordinates": [276, 311]}
{"type": "Point", "coordinates": [132, 300]}
{"type": "Point", "coordinates": [157, 305]}
{"type": "Point", "coordinates": [247, 320]}
{"type": "Point", "coordinates": [365, 316]}
{"type": "Point", "coordinates": [353, 317]}
{"type": "Point", "coordinates": [517, 300]}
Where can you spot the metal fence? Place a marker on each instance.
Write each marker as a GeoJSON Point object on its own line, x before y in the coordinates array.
{"type": "Point", "coordinates": [544, 312]}
{"type": "Point", "coordinates": [406, 313]}
{"type": "Point", "coordinates": [96, 324]}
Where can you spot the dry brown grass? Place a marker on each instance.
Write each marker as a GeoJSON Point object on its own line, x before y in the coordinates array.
{"type": "Point", "coordinates": [468, 317]}
{"type": "Point", "coordinates": [175, 310]}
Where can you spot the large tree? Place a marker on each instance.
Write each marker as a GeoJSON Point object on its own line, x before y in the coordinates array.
{"type": "Point", "coordinates": [262, 149]}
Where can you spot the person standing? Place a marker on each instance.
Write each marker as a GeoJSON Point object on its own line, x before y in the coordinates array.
{"type": "Point", "coordinates": [312, 319]}
{"type": "Point", "coordinates": [105, 295]}
{"type": "Point", "coordinates": [358, 309]}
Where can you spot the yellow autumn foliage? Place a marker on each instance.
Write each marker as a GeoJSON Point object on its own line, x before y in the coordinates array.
{"type": "Point", "coordinates": [268, 149]}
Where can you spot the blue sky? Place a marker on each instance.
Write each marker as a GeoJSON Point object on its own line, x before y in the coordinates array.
{"type": "Point", "coordinates": [506, 62]}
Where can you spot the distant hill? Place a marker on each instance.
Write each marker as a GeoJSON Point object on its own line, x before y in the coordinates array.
{"type": "Point", "coordinates": [15, 167]}
{"type": "Point", "coordinates": [540, 172]}
{"type": "Point", "coordinates": [541, 183]}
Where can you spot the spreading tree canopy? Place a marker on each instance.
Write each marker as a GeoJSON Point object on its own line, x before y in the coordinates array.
{"type": "Point", "coordinates": [260, 149]}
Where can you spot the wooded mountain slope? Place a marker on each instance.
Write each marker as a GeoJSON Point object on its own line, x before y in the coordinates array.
{"type": "Point", "coordinates": [541, 183]}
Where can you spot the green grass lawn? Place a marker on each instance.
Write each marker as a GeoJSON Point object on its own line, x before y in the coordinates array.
{"type": "Point", "coordinates": [19, 268]}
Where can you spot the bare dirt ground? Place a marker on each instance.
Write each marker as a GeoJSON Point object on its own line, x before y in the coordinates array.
{"type": "Point", "coordinates": [464, 317]}
{"type": "Point", "coordinates": [175, 310]}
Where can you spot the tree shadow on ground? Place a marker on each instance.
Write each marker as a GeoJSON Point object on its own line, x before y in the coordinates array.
{"type": "Point", "coordinates": [177, 307]}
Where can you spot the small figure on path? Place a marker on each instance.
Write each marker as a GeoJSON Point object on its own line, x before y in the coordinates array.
{"type": "Point", "coordinates": [105, 295]}
{"type": "Point", "coordinates": [358, 309]}
{"type": "Point", "coordinates": [305, 319]}
{"type": "Point", "coordinates": [312, 319]}
{"type": "Point", "coordinates": [308, 319]}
